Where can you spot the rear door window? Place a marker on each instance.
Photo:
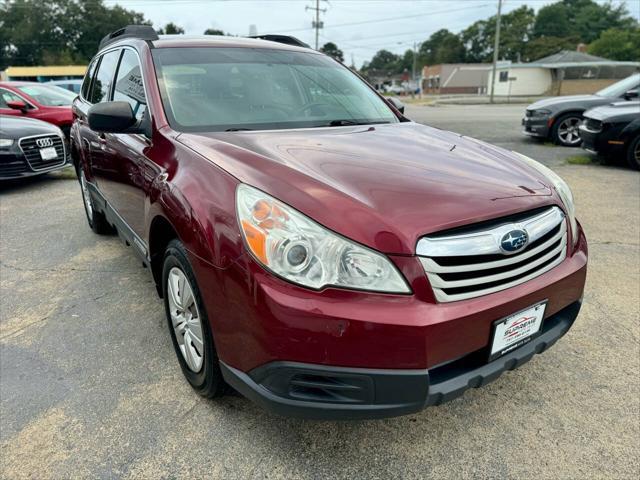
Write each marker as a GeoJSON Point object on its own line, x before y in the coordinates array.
{"type": "Point", "coordinates": [101, 88]}
{"type": "Point", "coordinates": [129, 86]}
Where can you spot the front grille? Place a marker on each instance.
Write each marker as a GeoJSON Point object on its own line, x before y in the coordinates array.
{"type": "Point", "coordinates": [31, 152]}
{"type": "Point", "coordinates": [13, 167]}
{"type": "Point", "coordinates": [471, 263]}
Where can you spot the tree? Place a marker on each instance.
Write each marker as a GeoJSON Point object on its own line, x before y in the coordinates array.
{"type": "Point", "coordinates": [332, 50]}
{"type": "Point", "coordinates": [213, 31]}
{"type": "Point", "coordinates": [36, 32]}
{"type": "Point", "coordinates": [442, 47]}
{"type": "Point", "coordinates": [383, 62]}
{"type": "Point", "coordinates": [545, 46]}
{"type": "Point", "coordinates": [616, 44]}
{"type": "Point", "coordinates": [171, 29]}
{"type": "Point", "coordinates": [517, 26]}
{"type": "Point", "coordinates": [584, 19]}
{"type": "Point", "coordinates": [552, 21]}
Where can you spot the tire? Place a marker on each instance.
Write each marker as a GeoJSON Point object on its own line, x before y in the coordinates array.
{"type": "Point", "coordinates": [565, 130]}
{"type": "Point", "coordinates": [192, 341]}
{"type": "Point", "coordinates": [633, 153]}
{"type": "Point", "coordinates": [97, 220]}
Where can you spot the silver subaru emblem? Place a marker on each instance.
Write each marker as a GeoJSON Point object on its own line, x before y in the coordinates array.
{"type": "Point", "coordinates": [514, 240]}
{"type": "Point", "coordinates": [44, 142]}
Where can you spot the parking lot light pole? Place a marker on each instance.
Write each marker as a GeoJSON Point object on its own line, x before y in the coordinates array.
{"type": "Point", "coordinates": [496, 48]}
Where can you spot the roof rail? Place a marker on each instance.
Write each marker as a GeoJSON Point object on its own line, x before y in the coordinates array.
{"type": "Point", "coordinates": [286, 39]}
{"type": "Point", "coordinates": [143, 32]}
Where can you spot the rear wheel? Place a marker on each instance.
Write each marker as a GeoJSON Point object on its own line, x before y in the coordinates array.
{"type": "Point", "coordinates": [565, 130]}
{"type": "Point", "coordinates": [189, 324]}
{"type": "Point", "coordinates": [633, 153]}
{"type": "Point", "coordinates": [97, 220]}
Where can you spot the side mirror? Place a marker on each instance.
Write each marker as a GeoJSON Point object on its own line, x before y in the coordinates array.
{"type": "Point", "coordinates": [18, 105]}
{"type": "Point", "coordinates": [396, 103]}
{"type": "Point", "coordinates": [631, 94]}
{"type": "Point", "coordinates": [112, 117]}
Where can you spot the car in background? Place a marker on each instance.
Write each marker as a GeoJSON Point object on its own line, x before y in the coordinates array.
{"type": "Point", "coordinates": [613, 131]}
{"type": "Point", "coordinates": [71, 85]}
{"type": "Point", "coordinates": [36, 100]}
{"type": "Point", "coordinates": [559, 118]}
{"type": "Point", "coordinates": [30, 147]}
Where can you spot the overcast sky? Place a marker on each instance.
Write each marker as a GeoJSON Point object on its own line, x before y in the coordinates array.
{"type": "Point", "coordinates": [358, 27]}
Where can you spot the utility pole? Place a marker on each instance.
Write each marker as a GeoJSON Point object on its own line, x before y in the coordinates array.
{"type": "Point", "coordinates": [496, 47]}
{"type": "Point", "coordinates": [317, 24]}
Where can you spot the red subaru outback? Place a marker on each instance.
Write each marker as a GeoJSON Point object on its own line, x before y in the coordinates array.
{"type": "Point", "coordinates": [315, 249]}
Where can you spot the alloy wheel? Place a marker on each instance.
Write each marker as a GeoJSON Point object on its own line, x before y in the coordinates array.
{"type": "Point", "coordinates": [568, 131]}
{"type": "Point", "coordinates": [185, 318]}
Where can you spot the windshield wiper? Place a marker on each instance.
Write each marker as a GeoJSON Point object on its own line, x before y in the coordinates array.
{"type": "Point", "coordinates": [236, 129]}
{"type": "Point", "coordinates": [345, 122]}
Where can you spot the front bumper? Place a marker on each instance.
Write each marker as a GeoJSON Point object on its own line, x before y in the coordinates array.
{"type": "Point", "coordinates": [536, 126]}
{"type": "Point", "coordinates": [605, 142]}
{"type": "Point", "coordinates": [323, 392]}
{"type": "Point", "coordinates": [13, 165]}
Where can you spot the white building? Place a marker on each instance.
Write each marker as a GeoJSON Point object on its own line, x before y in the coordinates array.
{"type": "Point", "coordinates": [564, 73]}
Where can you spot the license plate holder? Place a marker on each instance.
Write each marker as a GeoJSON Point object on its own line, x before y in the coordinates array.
{"type": "Point", "coordinates": [48, 153]}
{"type": "Point", "coordinates": [516, 330]}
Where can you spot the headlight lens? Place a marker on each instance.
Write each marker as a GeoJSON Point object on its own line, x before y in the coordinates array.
{"type": "Point", "coordinates": [298, 249]}
{"type": "Point", "coordinates": [6, 142]}
{"type": "Point", "coordinates": [541, 113]}
{"type": "Point", "coordinates": [563, 191]}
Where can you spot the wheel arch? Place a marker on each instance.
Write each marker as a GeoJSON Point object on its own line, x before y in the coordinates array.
{"type": "Point", "coordinates": [161, 232]}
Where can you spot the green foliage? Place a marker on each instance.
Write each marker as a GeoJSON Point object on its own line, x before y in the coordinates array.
{"type": "Point", "coordinates": [442, 47]}
{"type": "Point", "coordinates": [42, 32]}
{"type": "Point", "coordinates": [171, 29]}
{"type": "Point", "coordinates": [618, 44]}
{"type": "Point", "coordinates": [332, 50]}
{"type": "Point", "coordinates": [213, 31]}
{"type": "Point", "coordinates": [515, 33]}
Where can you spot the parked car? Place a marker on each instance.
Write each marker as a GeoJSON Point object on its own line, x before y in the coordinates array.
{"type": "Point", "coordinates": [71, 85]}
{"type": "Point", "coordinates": [36, 100]}
{"type": "Point", "coordinates": [559, 118]}
{"type": "Point", "coordinates": [613, 131]}
{"type": "Point", "coordinates": [30, 147]}
{"type": "Point", "coordinates": [315, 249]}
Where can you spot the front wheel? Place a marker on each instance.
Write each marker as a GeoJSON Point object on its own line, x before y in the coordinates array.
{"type": "Point", "coordinates": [565, 130]}
{"type": "Point", "coordinates": [633, 153]}
{"type": "Point", "coordinates": [188, 323]}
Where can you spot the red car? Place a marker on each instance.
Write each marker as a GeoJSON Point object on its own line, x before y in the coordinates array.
{"type": "Point", "coordinates": [315, 249]}
{"type": "Point", "coordinates": [34, 100]}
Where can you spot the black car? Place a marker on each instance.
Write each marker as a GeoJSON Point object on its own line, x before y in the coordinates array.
{"type": "Point", "coordinates": [559, 118]}
{"type": "Point", "coordinates": [613, 131]}
{"type": "Point", "coordinates": [30, 147]}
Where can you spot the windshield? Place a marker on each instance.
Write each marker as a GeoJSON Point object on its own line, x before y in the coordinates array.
{"type": "Point", "coordinates": [48, 96]}
{"type": "Point", "coordinates": [217, 89]}
{"type": "Point", "coordinates": [620, 88]}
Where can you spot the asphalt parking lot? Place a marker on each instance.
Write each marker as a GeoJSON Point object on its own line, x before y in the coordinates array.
{"type": "Point", "coordinates": [90, 386]}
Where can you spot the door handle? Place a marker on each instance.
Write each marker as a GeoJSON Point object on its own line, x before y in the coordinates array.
{"type": "Point", "coordinates": [103, 141]}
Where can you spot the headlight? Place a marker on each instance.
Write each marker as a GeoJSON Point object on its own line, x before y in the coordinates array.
{"type": "Point", "coordinates": [299, 250]}
{"type": "Point", "coordinates": [563, 191]}
{"type": "Point", "coordinates": [540, 113]}
{"type": "Point", "coordinates": [6, 142]}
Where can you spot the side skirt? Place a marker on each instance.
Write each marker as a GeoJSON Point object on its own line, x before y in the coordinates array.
{"type": "Point", "coordinates": [125, 232]}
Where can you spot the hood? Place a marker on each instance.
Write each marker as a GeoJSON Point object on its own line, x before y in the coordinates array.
{"type": "Point", "coordinates": [615, 112]}
{"type": "Point", "coordinates": [579, 101]}
{"type": "Point", "coordinates": [384, 186]}
{"type": "Point", "coordinates": [18, 127]}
